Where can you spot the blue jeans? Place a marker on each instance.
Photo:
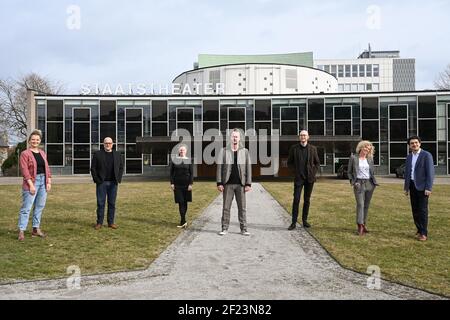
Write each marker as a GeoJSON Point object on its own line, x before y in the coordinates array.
{"type": "Point", "coordinates": [28, 199]}
{"type": "Point", "coordinates": [106, 189]}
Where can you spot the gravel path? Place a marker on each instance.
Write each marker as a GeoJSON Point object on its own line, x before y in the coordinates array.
{"type": "Point", "coordinates": [272, 263]}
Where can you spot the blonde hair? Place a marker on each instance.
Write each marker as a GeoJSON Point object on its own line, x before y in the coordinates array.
{"type": "Point", "coordinates": [35, 132]}
{"type": "Point", "coordinates": [364, 143]}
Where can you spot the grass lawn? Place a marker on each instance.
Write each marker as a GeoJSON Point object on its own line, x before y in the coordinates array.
{"type": "Point", "coordinates": [390, 243]}
{"type": "Point", "coordinates": [145, 212]}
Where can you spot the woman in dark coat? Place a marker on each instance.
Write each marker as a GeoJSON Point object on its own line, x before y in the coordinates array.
{"type": "Point", "coordinates": [181, 180]}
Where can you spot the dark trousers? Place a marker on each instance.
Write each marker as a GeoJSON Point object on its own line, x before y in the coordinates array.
{"type": "Point", "coordinates": [298, 186]}
{"type": "Point", "coordinates": [183, 206]}
{"type": "Point", "coordinates": [419, 206]}
{"type": "Point", "coordinates": [106, 189]}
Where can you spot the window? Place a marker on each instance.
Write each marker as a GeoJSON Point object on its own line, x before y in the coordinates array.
{"type": "Point", "coordinates": [368, 70]}
{"type": "Point", "coordinates": [427, 106]}
{"type": "Point", "coordinates": [340, 87]}
{"type": "Point", "coordinates": [398, 130]}
{"type": "Point", "coordinates": [315, 109]}
{"type": "Point", "coordinates": [55, 110]}
{"type": "Point", "coordinates": [107, 130]}
{"type": "Point", "coordinates": [81, 166]}
{"type": "Point", "coordinates": [354, 70]}
{"type": "Point", "coordinates": [236, 114]}
{"type": "Point", "coordinates": [213, 126]}
{"type": "Point", "coordinates": [211, 110]}
{"type": "Point", "coordinates": [376, 70]}
{"type": "Point", "coordinates": [262, 110]}
{"type": "Point", "coordinates": [361, 87]}
{"type": "Point", "coordinates": [370, 130]}
{"type": "Point", "coordinates": [289, 113]}
{"type": "Point", "coordinates": [369, 108]}
{"type": "Point", "coordinates": [362, 70]}
{"type": "Point", "coordinates": [236, 118]}
{"type": "Point", "coordinates": [185, 120]}
{"type": "Point", "coordinates": [263, 126]}
{"type": "Point", "coordinates": [81, 150]}
{"type": "Point", "coordinates": [81, 114]}
{"type": "Point", "coordinates": [399, 150]}
{"type": "Point", "coordinates": [289, 120]}
{"type": "Point", "coordinates": [159, 111]}
{"type": "Point", "coordinates": [398, 112]}
{"type": "Point", "coordinates": [210, 115]}
{"type": "Point", "coordinates": [133, 115]}
{"type": "Point", "coordinates": [369, 87]}
{"type": "Point", "coordinates": [427, 130]}
{"type": "Point", "coordinates": [347, 70]}
{"type": "Point", "coordinates": [55, 154]}
{"type": "Point", "coordinates": [108, 120]}
{"type": "Point", "coordinates": [107, 110]}
{"type": "Point", "coordinates": [342, 116]}
{"type": "Point", "coordinates": [55, 132]}
{"type": "Point", "coordinates": [81, 132]}
{"type": "Point", "coordinates": [354, 87]}
{"type": "Point", "coordinates": [327, 68]}
{"type": "Point", "coordinates": [133, 129]}
{"type": "Point", "coordinates": [159, 118]}
{"type": "Point", "coordinates": [342, 128]}
{"type": "Point", "coordinates": [376, 87]}
{"type": "Point", "coordinates": [316, 128]}
{"type": "Point", "coordinates": [348, 87]}
{"type": "Point", "coordinates": [333, 70]}
{"type": "Point", "coordinates": [340, 71]}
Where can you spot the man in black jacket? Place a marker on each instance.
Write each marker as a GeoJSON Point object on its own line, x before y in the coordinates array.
{"type": "Point", "coordinates": [107, 171]}
{"type": "Point", "coordinates": [304, 161]}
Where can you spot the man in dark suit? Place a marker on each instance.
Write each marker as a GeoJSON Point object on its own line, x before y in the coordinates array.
{"type": "Point", "coordinates": [107, 171]}
{"type": "Point", "coordinates": [419, 176]}
{"type": "Point", "coordinates": [304, 161]}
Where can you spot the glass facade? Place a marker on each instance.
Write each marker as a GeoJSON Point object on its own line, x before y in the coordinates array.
{"type": "Point", "coordinates": [74, 129]}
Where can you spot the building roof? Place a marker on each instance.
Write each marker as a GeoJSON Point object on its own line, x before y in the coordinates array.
{"type": "Point", "coordinates": [379, 54]}
{"type": "Point", "coordinates": [297, 59]}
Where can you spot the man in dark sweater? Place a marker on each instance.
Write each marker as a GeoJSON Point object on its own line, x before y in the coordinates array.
{"type": "Point", "coordinates": [106, 171]}
{"type": "Point", "coordinates": [304, 161]}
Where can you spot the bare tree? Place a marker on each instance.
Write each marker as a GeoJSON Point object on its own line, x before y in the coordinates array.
{"type": "Point", "coordinates": [13, 100]}
{"type": "Point", "coordinates": [442, 82]}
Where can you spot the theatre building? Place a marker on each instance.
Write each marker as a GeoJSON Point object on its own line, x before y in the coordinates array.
{"type": "Point", "coordinates": [280, 98]}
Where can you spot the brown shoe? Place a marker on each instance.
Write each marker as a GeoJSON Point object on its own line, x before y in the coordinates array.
{"type": "Point", "coordinates": [97, 226]}
{"type": "Point", "coordinates": [113, 226]}
{"type": "Point", "coordinates": [422, 238]}
{"type": "Point", "coordinates": [365, 229]}
{"type": "Point", "coordinates": [360, 230]}
{"type": "Point", "coordinates": [21, 236]}
{"type": "Point", "coordinates": [37, 233]}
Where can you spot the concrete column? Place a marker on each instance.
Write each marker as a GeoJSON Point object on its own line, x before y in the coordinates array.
{"type": "Point", "coordinates": [31, 111]}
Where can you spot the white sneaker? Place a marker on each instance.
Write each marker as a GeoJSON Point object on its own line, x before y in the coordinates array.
{"type": "Point", "coordinates": [245, 233]}
{"type": "Point", "coordinates": [223, 232]}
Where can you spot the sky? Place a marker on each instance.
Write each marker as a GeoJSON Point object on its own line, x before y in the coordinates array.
{"type": "Point", "coordinates": [80, 42]}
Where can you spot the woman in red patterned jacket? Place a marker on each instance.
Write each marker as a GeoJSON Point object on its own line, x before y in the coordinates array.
{"type": "Point", "coordinates": [36, 183]}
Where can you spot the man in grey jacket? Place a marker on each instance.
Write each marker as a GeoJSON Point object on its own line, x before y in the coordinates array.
{"type": "Point", "coordinates": [234, 178]}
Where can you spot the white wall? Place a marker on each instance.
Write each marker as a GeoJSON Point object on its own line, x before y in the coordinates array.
{"type": "Point", "coordinates": [264, 79]}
